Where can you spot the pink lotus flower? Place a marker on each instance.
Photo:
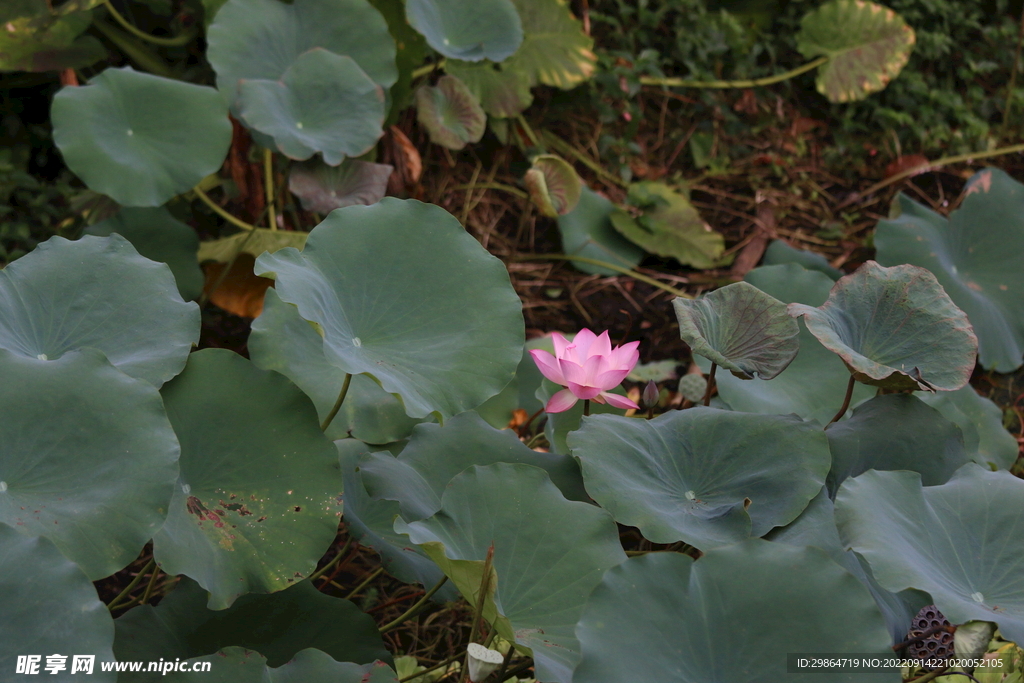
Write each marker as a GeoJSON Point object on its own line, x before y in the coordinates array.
{"type": "Point", "coordinates": [589, 366]}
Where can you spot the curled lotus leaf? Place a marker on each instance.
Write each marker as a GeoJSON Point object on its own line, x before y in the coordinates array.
{"type": "Point", "coordinates": [451, 113]}
{"type": "Point", "coordinates": [740, 328]}
{"type": "Point", "coordinates": [468, 29]}
{"type": "Point", "coordinates": [895, 328]}
{"type": "Point", "coordinates": [323, 188]}
{"type": "Point", "coordinates": [553, 184]}
{"type": "Point", "coordinates": [867, 45]}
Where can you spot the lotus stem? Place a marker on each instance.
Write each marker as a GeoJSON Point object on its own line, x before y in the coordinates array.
{"type": "Point", "coordinates": [711, 384]}
{"type": "Point", "coordinates": [268, 187]}
{"type": "Point", "coordinates": [504, 665]}
{"type": "Point", "coordinates": [426, 69]}
{"type": "Point", "coordinates": [364, 583]}
{"type": "Point", "coordinates": [610, 266]}
{"type": "Point", "coordinates": [412, 611]}
{"type": "Point", "coordinates": [440, 665]}
{"type": "Point", "coordinates": [136, 51]}
{"type": "Point", "coordinates": [323, 570]}
{"type": "Point", "coordinates": [529, 131]}
{"type": "Point", "coordinates": [337, 404]}
{"type": "Point", "coordinates": [177, 41]}
{"type": "Point", "coordinates": [149, 587]}
{"type": "Point", "coordinates": [846, 401]}
{"type": "Point", "coordinates": [481, 600]}
{"type": "Point", "coordinates": [586, 407]}
{"type": "Point", "coordinates": [565, 148]}
{"type": "Point", "coordinates": [518, 670]}
{"type": "Point", "coordinates": [721, 85]}
{"type": "Point", "coordinates": [135, 582]}
{"type": "Point", "coordinates": [237, 222]}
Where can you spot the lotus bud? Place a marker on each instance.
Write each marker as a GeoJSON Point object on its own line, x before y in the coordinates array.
{"type": "Point", "coordinates": [482, 661]}
{"type": "Point", "coordinates": [650, 394]}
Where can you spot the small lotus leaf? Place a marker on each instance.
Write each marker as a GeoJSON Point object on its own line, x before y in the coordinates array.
{"type": "Point", "coordinates": [703, 476]}
{"type": "Point", "coordinates": [470, 30]}
{"type": "Point", "coordinates": [779, 253]}
{"type": "Point", "coordinates": [160, 237]}
{"type": "Point", "coordinates": [252, 242]}
{"type": "Point", "coordinates": [282, 341]}
{"type": "Point", "coordinates": [87, 457]}
{"type": "Point", "coordinates": [553, 184]}
{"type": "Point", "coordinates": [740, 328]}
{"type": "Point", "coordinates": [261, 39]}
{"type": "Point", "coordinates": [97, 292]}
{"type": "Point", "coordinates": [555, 50]}
{"type": "Point", "coordinates": [975, 254]}
{"type": "Point", "coordinates": [139, 138]}
{"type": "Point", "coordinates": [36, 39]}
{"type": "Point", "coordinates": [401, 292]}
{"type": "Point", "coordinates": [238, 665]}
{"type": "Point", "coordinates": [549, 553]}
{"type": "Point", "coordinates": [953, 541]}
{"type": "Point", "coordinates": [323, 103]}
{"type": "Point", "coordinates": [732, 615]}
{"type": "Point", "coordinates": [895, 432]}
{"type": "Point", "coordinates": [258, 499]}
{"type": "Point", "coordinates": [451, 113]}
{"type": "Point", "coordinates": [693, 387]}
{"type": "Point", "coordinates": [502, 92]}
{"type": "Point", "coordinates": [987, 442]}
{"type": "Point", "coordinates": [49, 607]}
{"type": "Point", "coordinates": [279, 626]}
{"type": "Point", "coordinates": [587, 231]}
{"type": "Point", "coordinates": [324, 188]}
{"type": "Point", "coordinates": [895, 328]}
{"type": "Point", "coordinates": [867, 46]}
{"type": "Point", "coordinates": [669, 226]}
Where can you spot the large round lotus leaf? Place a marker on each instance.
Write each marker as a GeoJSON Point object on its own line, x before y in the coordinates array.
{"type": "Point", "coordinates": [975, 254]}
{"type": "Point", "coordinates": [451, 113]}
{"type": "Point", "coordinates": [549, 553]}
{"type": "Point", "coordinates": [816, 526]}
{"type": "Point", "coordinates": [553, 184]}
{"type": "Point", "coordinates": [740, 328]}
{"type": "Point", "coordinates": [371, 523]}
{"type": "Point", "coordinates": [986, 441]}
{"type": "Point", "coordinates": [703, 476]}
{"type": "Point", "coordinates": [139, 138]}
{"type": "Point", "coordinates": [282, 341]}
{"type": "Point", "coordinates": [401, 292]}
{"type": "Point", "coordinates": [323, 188]}
{"type": "Point", "coordinates": [259, 496]}
{"type": "Point", "coordinates": [87, 457]}
{"type": "Point", "coordinates": [418, 477]}
{"type": "Point", "coordinates": [895, 328]}
{"type": "Point", "coordinates": [895, 432]}
{"type": "Point", "coordinates": [813, 384]}
{"type": "Point", "coordinates": [278, 626]}
{"type": "Point", "coordinates": [322, 103]}
{"type": "Point", "coordinates": [959, 541]}
{"type": "Point", "coordinates": [97, 293]}
{"type": "Point", "coordinates": [160, 237]}
{"type": "Point", "coordinates": [49, 607]}
{"type": "Point", "coordinates": [555, 50]}
{"type": "Point", "coordinates": [730, 617]}
{"type": "Point", "coordinates": [261, 39]}
{"type": "Point", "coordinates": [867, 46]}
{"type": "Point", "coordinates": [468, 29]}
{"type": "Point", "coordinates": [502, 93]}
{"type": "Point", "coordinates": [587, 231]}
{"type": "Point", "coordinates": [779, 253]}
{"type": "Point", "coordinates": [238, 665]}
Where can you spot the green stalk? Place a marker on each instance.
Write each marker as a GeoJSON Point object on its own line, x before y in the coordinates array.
{"type": "Point", "coordinates": [136, 52]}
{"type": "Point", "coordinates": [365, 582]}
{"type": "Point", "coordinates": [722, 85]}
{"type": "Point", "coordinates": [412, 611]}
{"type": "Point", "coordinates": [337, 404]}
{"type": "Point", "coordinates": [135, 582]}
{"type": "Point", "coordinates": [177, 41]}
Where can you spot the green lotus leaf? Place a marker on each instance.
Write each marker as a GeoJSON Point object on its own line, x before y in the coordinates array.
{"type": "Point", "coordinates": [418, 477]}
{"type": "Point", "coordinates": [553, 184]}
{"type": "Point", "coordinates": [813, 384]}
{"type": "Point", "coordinates": [160, 237]}
{"type": "Point", "coordinates": [411, 52]}
{"type": "Point", "coordinates": [669, 226]}
{"type": "Point", "coordinates": [740, 328]}
{"type": "Point", "coordinates": [87, 457]}
{"type": "Point", "coordinates": [867, 46]}
{"type": "Point", "coordinates": [450, 113]}
{"type": "Point", "coordinates": [254, 242]}
{"type": "Point", "coordinates": [36, 39]}
{"type": "Point", "coordinates": [258, 499]}
{"type": "Point", "coordinates": [261, 39]}
{"type": "Point", "coordinates": [139, 138]}
{"type": "Point", "coordinates": [238, 665]}
{"type": "Point", "coordinates": [549, 553]}
{"type": "Point", "coordinates": [401, 292]}
{"type": "Point", "coordinates": [502, 93]}
{"type": "Point", "coordinates": [97, 293]}
{"type": "Point", "coordinates": [975, 256]}
{"type": "Point", "coordinates": [322, 103]}
{"type": "Point", "coordinates": [895, 432]}
{"type": "Point", "coordinates": [278, 626]}
{"type": "Point", "coordinates": [816, 526]}
{"type": "Point", "coordinates": [587, 231]}
{"type": "Point", "coordinates": [951, 540]}
{"type": "Point", "coordinates": [704, 476]}
{"type": "Point", "coordinates": [49, 607]}
{"type": "Point", "coordinates": [679, 620]}
{"type": "Point", "coordinates": [555, 50]}
{"type": "Point", "coordinates": [323, 188]}
{"type": "Point", "coordinates": [986, 440]}
{"type": "Point", "coordinates": [779, 253]}
{"type": "Point", "coordinates": [470, 30]}
{"type": "Point", "coordinates": [895, 328]}
{"type": "Point", "coordinates": [282, 341]}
